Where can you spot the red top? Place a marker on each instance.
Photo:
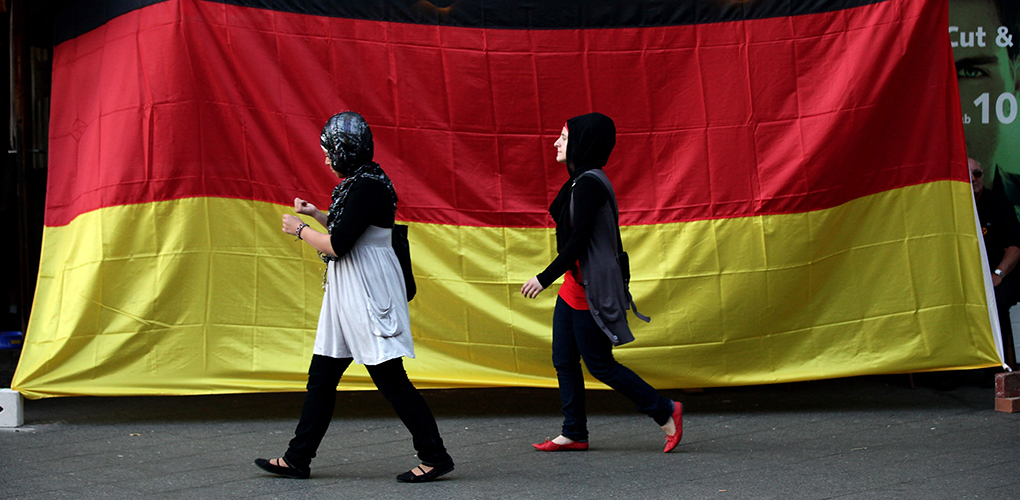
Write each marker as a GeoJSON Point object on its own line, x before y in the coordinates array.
{"type": "Point", "coordinates": [572, 292]}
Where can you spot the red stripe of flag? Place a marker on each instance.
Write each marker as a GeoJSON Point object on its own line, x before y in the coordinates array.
{"type": "Point", "coordinates": [189, 98]}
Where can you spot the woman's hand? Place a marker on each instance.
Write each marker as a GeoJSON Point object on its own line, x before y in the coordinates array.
{"type": "Point", "coordinates": [304, 208]}
{"type": "Point", "coordinates": [319, 241]}
{"type": "Point", "coordinates": [291, 223]}
{"type": "Point", "coordinates": [532, 288]}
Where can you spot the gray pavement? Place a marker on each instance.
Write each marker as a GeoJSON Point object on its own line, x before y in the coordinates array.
{"type": "Point", "coordinates": [867, 437]}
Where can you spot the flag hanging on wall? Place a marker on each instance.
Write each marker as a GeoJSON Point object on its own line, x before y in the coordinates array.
{"type": "Point", "coordinates": [791, 179]}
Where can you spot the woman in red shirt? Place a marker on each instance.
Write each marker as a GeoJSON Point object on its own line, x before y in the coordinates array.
{"type": "Point", "coordinates": [590, 314]}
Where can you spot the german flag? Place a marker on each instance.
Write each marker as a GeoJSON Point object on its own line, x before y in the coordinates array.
{"type": "Point", "coordinates": [791, 179]}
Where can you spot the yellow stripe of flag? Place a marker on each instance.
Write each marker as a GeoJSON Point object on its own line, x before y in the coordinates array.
{"type": "Point", "coordinates": [206, 295]}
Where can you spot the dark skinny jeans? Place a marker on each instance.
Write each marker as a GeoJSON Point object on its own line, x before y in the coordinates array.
{"type": "Point", "coordinates": [576, 336]}
{"type": "Point", "coordinates": [391, 379]}
{"type": "Point", "coordinates": [1007, 294]}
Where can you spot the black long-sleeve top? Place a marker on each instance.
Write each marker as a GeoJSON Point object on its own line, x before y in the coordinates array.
{"type": "Point", "coordinates": [999, 225]}
{"type": "Point", "coordinates": [368, 203]}
{"type": "Point", "coordinates": [589, 197]}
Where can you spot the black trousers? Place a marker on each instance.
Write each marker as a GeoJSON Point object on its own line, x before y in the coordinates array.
{"type": "Point", "coordinates": [391, 379]}
{"type": "Point", "coordinates": [1007, 294]}
{"type": "Point", "coordinates": [576, 336]}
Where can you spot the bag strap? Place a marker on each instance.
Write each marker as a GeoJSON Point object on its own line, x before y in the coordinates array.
{"type": "Point", "coordinates": [612, 200]}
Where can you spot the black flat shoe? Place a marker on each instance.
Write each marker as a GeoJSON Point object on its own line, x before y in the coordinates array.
{"type": "Point", "coordinates": [288, 471]}
{"type": "Point", "coordinates": [431, 475]}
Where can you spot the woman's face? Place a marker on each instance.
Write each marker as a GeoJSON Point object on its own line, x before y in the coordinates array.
{"type": "Point", "coordinates": [329, 163]}
{"type": "Point", "coordinates": [561, 146]}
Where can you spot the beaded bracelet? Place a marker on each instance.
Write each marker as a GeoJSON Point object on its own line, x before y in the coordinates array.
{"type": "Point", "coordinates": [298, 232]}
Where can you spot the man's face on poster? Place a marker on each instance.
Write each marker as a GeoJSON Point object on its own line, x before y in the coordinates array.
{"type": "Point", "coordinates": [979, 70]}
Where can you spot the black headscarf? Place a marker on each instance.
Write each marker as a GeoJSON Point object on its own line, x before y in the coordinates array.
{"type": "Point", "coordinates": [590, 140]}
{"type": "Point", "coordinates": [347, 140]}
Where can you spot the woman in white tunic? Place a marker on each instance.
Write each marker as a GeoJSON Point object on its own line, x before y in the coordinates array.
{"type": "Point", "coordinates": [364, 317]}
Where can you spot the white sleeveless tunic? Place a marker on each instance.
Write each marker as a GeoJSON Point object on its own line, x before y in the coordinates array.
{"type": "Point", "coordinates": [364, 308]}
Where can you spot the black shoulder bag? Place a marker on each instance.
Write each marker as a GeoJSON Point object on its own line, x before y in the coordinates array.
{"type": "Point", "coordinates": [403, 250]}
{"type": "Point", "coordinates": [622, 259]}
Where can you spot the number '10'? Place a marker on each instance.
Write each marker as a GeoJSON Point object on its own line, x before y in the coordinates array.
{"type": "Point", "coordinates": [1000, 113]}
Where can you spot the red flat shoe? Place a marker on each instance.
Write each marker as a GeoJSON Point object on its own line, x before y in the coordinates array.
{"type": "Point", "coordinates": [678, 420]}
{"type": "Point", "coordinates": [551, 446]}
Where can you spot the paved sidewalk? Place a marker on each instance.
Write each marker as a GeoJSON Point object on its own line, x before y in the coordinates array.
{"type": "Point", "coordinates": [868, 437]}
